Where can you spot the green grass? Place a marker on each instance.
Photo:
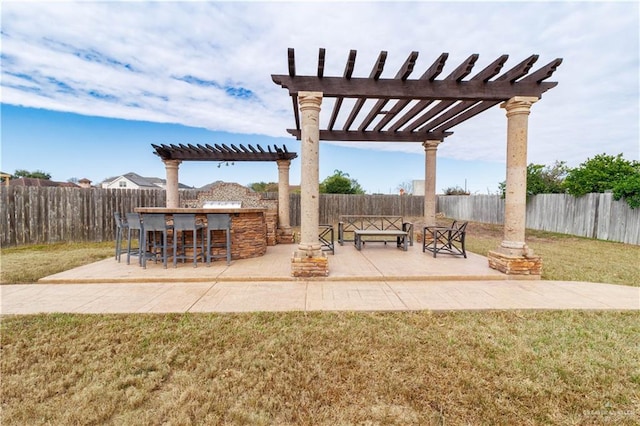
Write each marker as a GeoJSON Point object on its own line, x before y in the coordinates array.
{"type": "Point", "coordinates": [27, 264]}
{"type": "Point", "coordinates": [513, 367]}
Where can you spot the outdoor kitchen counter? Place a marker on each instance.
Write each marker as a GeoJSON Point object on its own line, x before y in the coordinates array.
{"type": "Point", "coordinates": [248, 228]}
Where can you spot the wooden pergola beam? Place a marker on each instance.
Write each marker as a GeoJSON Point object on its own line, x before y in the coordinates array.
{"type": "Point", "coordinates": [436, 105]}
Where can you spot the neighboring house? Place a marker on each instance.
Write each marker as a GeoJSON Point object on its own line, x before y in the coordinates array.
{"type": "Point", "coordinates": [135, 181]}
{"type": "Point", "coordinates": [41, 183]}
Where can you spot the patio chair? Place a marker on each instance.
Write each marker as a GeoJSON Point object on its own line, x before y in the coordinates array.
{"type": "Point", "coordinates": [326, 238]}
{"type": "Point", "coordinates": [134, 223]}
{"type": "Point", "coordinates": [121, 227]}
{"type": "Point", "coordinates": [154, 224]}
{"type": "Point", "coordinates": [449, 240]}
{"type": "Point", "coordinates": [185, 223]}
{"type": "Point", "coordinates": [219, 222]}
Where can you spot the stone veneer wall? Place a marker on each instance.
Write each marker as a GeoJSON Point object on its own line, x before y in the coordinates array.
{"type": "Point", "coordinates": [247, 237]}
{"type": "Point", "coordinates": [228, 191]}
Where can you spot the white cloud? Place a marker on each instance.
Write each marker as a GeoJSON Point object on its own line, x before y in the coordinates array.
{"type": "Point", "coordinates": [130, 60]}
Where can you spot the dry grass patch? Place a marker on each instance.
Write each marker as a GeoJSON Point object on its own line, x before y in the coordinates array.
{"type": "Point", "coordinates": [322, 368]}
{"type": "Point", "coordinates": [27, 264]}
{"type": "Point", "coordinates": [564, 257]}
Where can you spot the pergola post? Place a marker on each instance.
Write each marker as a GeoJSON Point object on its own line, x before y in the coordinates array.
{"type": "Point", "coordinates": [285, 236]}
{"type": "Point", "coordinates": [173, 196]}
{"type": "Point", "coordinates": [430, 150]}
{"type": "Point", "coordinates": [309, 260]}
{"type": "Point", "coordinates": [513, 257]}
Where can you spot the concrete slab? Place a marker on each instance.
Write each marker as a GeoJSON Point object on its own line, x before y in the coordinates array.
{"type": "Point", "coordinates": [377, 278]}
{"type": "Point", "coordinates": [374, 262]}
{"type": "Point", "coordinates": [314, 296]}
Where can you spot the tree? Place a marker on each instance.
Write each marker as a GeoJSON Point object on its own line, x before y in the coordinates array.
{"type": "Point", "coordinates": [406, 188]}
{"type": "Point", "coordinates": [600, 173]}
{"type": "Point", "coordinates": [264, 186]}
{"type": "Point", "coordinates": [543, 179]}
{"type": "Point", "coordinates": [629, 189]}
{"type": "Point", "coordinates": [37, 174]}
{"type": "Point", "coordinates": [340, 183]}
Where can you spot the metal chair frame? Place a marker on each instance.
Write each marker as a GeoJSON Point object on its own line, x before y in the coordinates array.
{"type": "Point", "coordinates": [186, 222]}
{"type": "Point", "coordinates": [121, 227]}
{"type": "Point", "coordinates": [134, 223]}
{"type": "Point", "coordinates": [326, 238]}
{"type": "Point", "coordinates": [449, 240]}
{"type": "Point", "coordinates": [152, 225]}
{"type": "Point", "coordinates": [218, 222]}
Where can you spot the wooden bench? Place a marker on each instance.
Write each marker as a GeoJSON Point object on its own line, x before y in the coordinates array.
{"type": "Point", "coordinates": [401, 237]}
{"type": "Point", "coordinates": [378, 224]}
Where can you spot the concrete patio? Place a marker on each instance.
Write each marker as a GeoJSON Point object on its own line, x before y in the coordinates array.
{"type": "Point", "coordinates": [378, 278]}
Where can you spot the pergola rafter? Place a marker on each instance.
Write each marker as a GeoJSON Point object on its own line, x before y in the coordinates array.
{"type": "Point", "coordinates": [423, 110]}
{"type": "Point", "coordinates": [420, 109]}
{"type": "Point", "coordinates": [222, 152]}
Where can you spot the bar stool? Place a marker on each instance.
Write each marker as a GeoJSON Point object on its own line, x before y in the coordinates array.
{"type": "Point", "coordinates": [121, 227]}
{"type": "Point", "coordinates": [184, 223]}
{"type": "Point", "coordinates": [153, 224]}
{"type": "Point", "coordinates": [134, 223]}
{"type": "Point", "coordinates": [219, 222]}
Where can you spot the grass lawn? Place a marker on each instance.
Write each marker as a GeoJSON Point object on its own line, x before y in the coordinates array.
{"type": "Point", "coordinates": [515, 368]}
{"type": "Point", "coordinates": [403, 368]}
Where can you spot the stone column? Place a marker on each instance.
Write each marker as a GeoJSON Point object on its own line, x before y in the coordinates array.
{"type": "Point", "coordinates": [309, 182]}
{"type": "Point", "coordinates": [285, 236]}
{"type": "Point", "coordinates": [513, 256]}
{"type": "Point", "coordinates": [309, 260]}
{"type": "Point", "coordinates": [173, 196]}
{"type": "Point", "coordinates": [430, 150]}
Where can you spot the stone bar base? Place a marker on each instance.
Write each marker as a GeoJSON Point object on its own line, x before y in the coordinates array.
{"type": "Point", "coordinates": [271, 221]}
{"type": "Point", "coordinates": [305, 266]}
{"type": "Point", "coordinates": [285, 236]}
{"type": "Point", "coordinates": [515, 265]}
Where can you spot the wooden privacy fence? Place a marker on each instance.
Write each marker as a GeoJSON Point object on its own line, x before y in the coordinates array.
{"type": "Point", "coordinates": [593, 215]}
{"type": "Point", "coordinates": [32, 215]}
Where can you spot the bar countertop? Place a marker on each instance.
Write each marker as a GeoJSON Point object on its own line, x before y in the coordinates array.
{"type": "Point", "coordinates": [196, 210]}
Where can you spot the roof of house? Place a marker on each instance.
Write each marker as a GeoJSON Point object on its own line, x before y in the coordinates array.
{"type": "Point", "coordinates": [144, 182]}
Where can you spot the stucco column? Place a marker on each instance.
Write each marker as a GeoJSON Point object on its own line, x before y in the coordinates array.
{"type": "Point", "coordinates": [515, 212]}
{"type": "Point", "coordinates": [309, 182]}
{"type": "Point", "coordinates": [284, 223]}
{"type": "Point", "coordinates": [430, 150]}
{"type": "Point", "coordinates": [173, 197]}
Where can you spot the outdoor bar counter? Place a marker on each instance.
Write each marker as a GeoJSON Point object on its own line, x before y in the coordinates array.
{"type": "Point", "coordinates": [248, 228]}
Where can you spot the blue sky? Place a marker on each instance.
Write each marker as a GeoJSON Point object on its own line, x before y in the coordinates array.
{"type": "Point", "coordinates": [88, 96]}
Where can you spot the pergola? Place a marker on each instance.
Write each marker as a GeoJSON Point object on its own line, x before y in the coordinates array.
{"type": "Point", "coordinates": [424, 110]}
{"type": "Point", "coordinates": [172, 155]}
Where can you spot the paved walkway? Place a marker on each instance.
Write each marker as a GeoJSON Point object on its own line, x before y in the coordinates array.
{"type": "Point", "coordinates": [378, 278]}
{"type": "Point", "coordinates": [314, 296]}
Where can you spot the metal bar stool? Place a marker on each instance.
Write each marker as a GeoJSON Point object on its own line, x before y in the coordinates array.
{"type": "Point", "coordinates": [154, 224]}
{"type": "Point", "coordinates": [134, 223]}
{"type": "Point", "coordinates": [184, 223]}
{"type": "Point", "coordinates": [121, 227]}
{"type": "Point", "coordinates": [219, 222]}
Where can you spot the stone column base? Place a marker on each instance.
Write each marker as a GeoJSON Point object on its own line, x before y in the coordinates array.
{"type": "Point", "coordinates": [306, 264]}
{"type": "Point", "coordinates": [515, 265]}
{"type": "Point", "coordinates": [285, 236]}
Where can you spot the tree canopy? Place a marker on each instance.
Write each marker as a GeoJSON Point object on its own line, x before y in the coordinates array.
{"type": "Point", "coordinates": [606, 173]}
{"type": "Point", "coordinates": [340, 183]}
{"type": "Point", "coordinates": [37, 174]}
{"type": "Point", "coordinates": [596, 175]}
{"type": "Point", "coordinates": [264, 186]}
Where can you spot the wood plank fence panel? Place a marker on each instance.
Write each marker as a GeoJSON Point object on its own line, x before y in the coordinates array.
{"type": "Point", "coordinates": [31, 215]}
